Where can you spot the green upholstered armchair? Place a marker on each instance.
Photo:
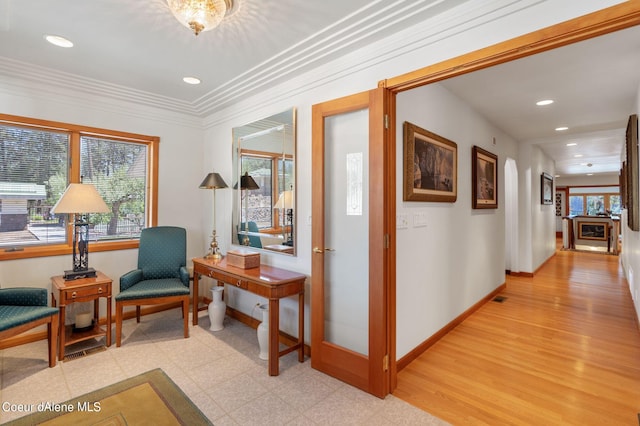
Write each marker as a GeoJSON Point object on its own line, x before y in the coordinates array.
{"type": "Point", "coordinates": [22, 309]}
{"type": "Point", "coordinates": [161, 277]}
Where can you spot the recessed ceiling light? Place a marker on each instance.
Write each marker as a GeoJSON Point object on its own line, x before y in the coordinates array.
{"type": "Point", "coordinates": [578, 155]}
{"type": "Point", "coordinates": [544, 102]}
{"type": "Point", "coordinates": [589, 174]}
{"type": "Point", "coordinates": [58, 41]}
{"type": "Point", "coordinates": [561, 129]}
{"type": "Point", "coordinates": [572, 143]}
{"type": "Point", "coordinates": [191, 80]}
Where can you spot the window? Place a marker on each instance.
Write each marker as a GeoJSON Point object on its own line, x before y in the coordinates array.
{"type": "Point", "coordinates": [38, 159]}
{"type": "Point", "coordinates": [576, 205]}
{"type": "Point", "coordinates": [269, 172]}
{"type": "Point", "coordinates": [591, 203]}
{"type": "Point", "coordinates": [256, 204]}
{"type": "Point", "coordinates": [595, 204]}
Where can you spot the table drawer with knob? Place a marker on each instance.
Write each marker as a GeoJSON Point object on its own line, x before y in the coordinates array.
{"type": "Point", "coordinates": [71, 295]}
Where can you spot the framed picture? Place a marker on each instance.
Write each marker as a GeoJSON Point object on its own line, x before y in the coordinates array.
{"type": "Point", "coordinates": [430, 166]}
{"type": "Point", "coordinates": [484, 179]}
{"type": "Point", "coordinates": [546, 188]}
{"type": "Point", "coordinates": [631, 146]}
{"type": "Point", "coordinates": [623, 185]}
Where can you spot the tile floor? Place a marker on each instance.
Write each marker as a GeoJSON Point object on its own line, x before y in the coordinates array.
{"type": "Point", "coordinates": [219, 371]}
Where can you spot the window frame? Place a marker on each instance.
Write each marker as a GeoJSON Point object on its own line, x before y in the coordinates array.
{"type": "Point", "coordinates": [75, 132]}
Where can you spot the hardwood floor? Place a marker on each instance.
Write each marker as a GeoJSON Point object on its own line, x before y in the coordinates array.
{"type": "Point", "coordinates": [562, 349]}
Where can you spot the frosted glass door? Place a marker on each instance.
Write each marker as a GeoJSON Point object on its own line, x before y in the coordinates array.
{"type": "Point", "coordinates": [346, 232]}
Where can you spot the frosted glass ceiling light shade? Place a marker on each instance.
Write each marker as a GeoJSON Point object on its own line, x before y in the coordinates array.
{"type": "Point", "coordinates": [200, 15]}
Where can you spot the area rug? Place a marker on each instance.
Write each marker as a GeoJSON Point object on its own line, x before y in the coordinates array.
{"type": "Point", "coordinates": [151, 398]}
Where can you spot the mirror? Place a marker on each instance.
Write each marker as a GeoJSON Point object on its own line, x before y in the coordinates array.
{"type": "Point", "coordinates": [264, 184]}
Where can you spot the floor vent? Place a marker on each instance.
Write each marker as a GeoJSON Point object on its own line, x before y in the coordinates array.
{"type": "Point", "coordinates": [82, 353]}
{"type": "Point", "coordinates": [499, 299]}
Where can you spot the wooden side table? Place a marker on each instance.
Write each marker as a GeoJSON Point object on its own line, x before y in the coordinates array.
{"type": "Point", "coordinates": [82, 290]}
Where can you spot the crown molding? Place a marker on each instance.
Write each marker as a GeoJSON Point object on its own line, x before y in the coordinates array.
{"type": "Point", "coordinates": [45, 91]}
{"type": "Point", "coordinates": [313, 62]}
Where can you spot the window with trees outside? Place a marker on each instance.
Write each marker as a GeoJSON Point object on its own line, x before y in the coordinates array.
{"type": "Point", "coordinates": [269, 172]}
{"type": "Point", "coordinates": [38, 159]}
{"type": "Point", "coordinates": [594, 204]}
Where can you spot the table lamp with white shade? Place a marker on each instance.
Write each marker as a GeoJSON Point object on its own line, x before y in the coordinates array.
{"type": "Point", "coordinates": [80, 199]}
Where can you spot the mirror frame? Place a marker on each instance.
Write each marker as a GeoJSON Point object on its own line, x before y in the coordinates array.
{"type": "Point", "coordinates": [253, 130]}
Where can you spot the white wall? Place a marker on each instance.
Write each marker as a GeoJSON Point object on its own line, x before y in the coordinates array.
{"type": "Point", "coordinates": [537, 220]}
{"type": "Point", "coordinates": [459, 257]}
{"type": "Point", "coordinates": [630, 256]}
{"type": "Point", "coordinates": [188, 152]}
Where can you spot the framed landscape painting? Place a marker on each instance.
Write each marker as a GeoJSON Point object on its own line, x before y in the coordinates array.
{"type": "Point", "coordinates": [546, 188]}
{"type": "Point", "coordinates": [430, 166]}
{"type": "Point", "coordinates": [484, 179]}
{"type": "Point", "coordinates": [631, 148]}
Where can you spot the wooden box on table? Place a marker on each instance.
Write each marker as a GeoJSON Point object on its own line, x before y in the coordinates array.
{"type": "Point", "coordinates": [242, 258]}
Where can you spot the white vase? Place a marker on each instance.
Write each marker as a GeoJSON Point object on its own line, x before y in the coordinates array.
{"type": "Point", "coordinates": [217, 309]}
{"type": "Point", "coordinates": [263, 332]}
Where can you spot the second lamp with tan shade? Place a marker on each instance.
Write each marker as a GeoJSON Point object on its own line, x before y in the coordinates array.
{"type": "Point", "coordinates": [213, 181]}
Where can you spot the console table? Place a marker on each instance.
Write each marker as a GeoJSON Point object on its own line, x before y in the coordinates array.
{"type": "Point", "coordinates": [266, 281]}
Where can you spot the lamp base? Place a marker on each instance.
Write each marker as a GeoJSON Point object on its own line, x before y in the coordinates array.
{"type": "Point", "coordinates": [214, 256]}
{"type": "Point", "coordinates": [76, 275]}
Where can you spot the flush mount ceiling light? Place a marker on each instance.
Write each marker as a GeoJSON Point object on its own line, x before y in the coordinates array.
{"type": "Point", "coordinates": [200, 15]}
{"type": "Point", "coordinates": [544, 102]}
{"type": "Point", "coordinates": [572, 144]}
{"type": "Point", "coordinates": [58, 41]}
{"type": "Point", "coordinates": [561, 129]}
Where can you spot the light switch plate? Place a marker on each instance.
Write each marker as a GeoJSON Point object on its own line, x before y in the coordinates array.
{"type": "Point", "coordinates": [420, 219]}
{"type": "Point", "coordinates": [402, 222]}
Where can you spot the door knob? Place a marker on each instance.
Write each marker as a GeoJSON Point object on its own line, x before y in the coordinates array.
{"type": "Point", "coordinates": [319, 250]}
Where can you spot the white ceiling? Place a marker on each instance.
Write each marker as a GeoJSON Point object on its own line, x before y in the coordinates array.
{"type": "Point", "coordinates": [137, 46]}
{"type": "Point", "coordinates": [594, 84]}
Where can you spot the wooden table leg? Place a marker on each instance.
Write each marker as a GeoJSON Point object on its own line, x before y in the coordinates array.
{"type": "Point", "coordinates": [195, 298]}
{"type": "Point", "coordinates": [63, 331]}
{"type": "Point", "coordinates": [301, 327]}
{"type": "Point", "coordinates": [274, 329]}
{"type": "Point", "coordinates": [108, 321]}
{"type": "Point", "coordinates": [96, 312]}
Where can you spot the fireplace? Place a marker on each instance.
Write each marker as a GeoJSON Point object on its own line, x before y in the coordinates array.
{"type": "Point", "coordinates": [597, 231]}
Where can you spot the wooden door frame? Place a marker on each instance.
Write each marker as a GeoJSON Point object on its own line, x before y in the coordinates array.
{"type": "Point", "coordinates": [605, 21]}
